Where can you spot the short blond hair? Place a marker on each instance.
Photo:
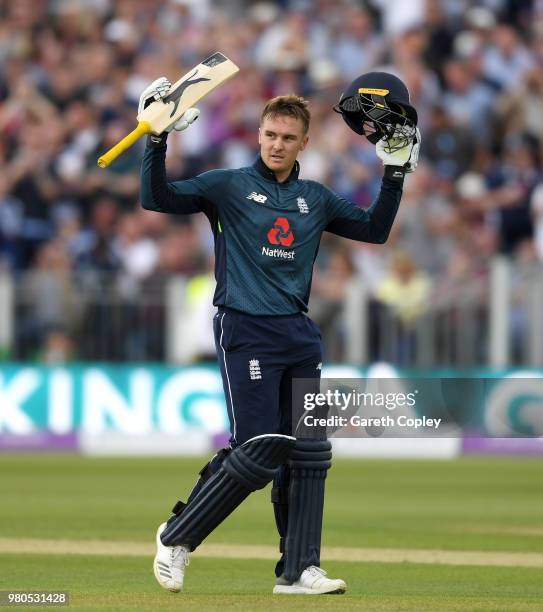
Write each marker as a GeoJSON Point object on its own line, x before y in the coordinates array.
{"type": "Point", "coordinates": [290, 106]}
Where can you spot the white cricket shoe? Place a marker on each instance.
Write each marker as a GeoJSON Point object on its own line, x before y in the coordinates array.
{"type": "Point", "coordinates": [169, 564]}
{"type": "Point", "coordinates": [313, 581]}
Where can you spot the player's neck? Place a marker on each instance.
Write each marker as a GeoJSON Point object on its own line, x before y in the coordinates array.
{"type": "Point", "coordinates": [283, 175]}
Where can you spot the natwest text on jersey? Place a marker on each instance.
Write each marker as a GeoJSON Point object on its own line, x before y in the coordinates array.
{"type": "Point", "coordinates": [280, 253]}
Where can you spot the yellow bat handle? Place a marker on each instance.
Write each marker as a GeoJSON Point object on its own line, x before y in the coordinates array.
{"type": "Point", "coordinates": [122, 145]}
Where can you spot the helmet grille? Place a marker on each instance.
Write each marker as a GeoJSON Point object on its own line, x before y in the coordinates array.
{"type": "Point", "coordinates": [377, 119]}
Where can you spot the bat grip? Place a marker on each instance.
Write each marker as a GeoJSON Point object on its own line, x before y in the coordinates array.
{"type": "Point", "coordinates": [122, 145]}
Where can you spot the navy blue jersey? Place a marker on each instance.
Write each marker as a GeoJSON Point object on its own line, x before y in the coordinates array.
{"type": "Point", "coordinates": [267, 233]}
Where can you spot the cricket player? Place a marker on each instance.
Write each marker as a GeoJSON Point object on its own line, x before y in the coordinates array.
{"type": "Point", "coordinates": [267, 224]}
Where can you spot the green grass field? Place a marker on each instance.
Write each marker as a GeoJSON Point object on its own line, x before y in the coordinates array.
{"type": "Point", "coordinates": [458, 535]}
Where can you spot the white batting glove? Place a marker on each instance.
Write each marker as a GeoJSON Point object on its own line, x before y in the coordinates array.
{"type": "Point", "coordinates": [157, 90]}
{"type": "Point", "coordinates": [407, 157]}
{"type": "Point", "coordinates": [188, 117]}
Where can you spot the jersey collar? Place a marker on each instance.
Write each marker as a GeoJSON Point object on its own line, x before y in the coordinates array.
{"type": "Point", "coordinates": [263, 170]}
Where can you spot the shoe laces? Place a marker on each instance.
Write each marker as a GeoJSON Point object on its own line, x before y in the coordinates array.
{"type": "Point", "coordinates": [179, 551]}
{"type": "Point", "coordinates": [316, 571]}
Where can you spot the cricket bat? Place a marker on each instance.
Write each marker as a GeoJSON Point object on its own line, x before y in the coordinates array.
{"type": "Point", "coordinates": [184, 93]}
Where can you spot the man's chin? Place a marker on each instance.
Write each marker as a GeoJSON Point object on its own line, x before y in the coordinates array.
{"type": "Point", "coordinates": [276, 164]}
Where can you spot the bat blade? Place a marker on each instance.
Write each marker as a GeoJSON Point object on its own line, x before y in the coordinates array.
{"type": "Point", "coordinates": [183, 94]}
{"type": "Point", "coordinates": [188, 91]}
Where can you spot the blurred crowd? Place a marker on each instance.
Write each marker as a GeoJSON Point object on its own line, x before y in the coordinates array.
{"type": "Point", "coordinates": [71, 72]}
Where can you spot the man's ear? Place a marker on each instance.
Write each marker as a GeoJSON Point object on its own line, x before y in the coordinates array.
{"type": "Point", "coordinates": [305, 140]}
{"type": "Point", "coordinates": [259, 136]}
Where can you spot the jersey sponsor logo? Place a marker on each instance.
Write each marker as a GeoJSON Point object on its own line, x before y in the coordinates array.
{"type": "Point", "coordinates": [278, 253]}
{"type": "Point", "coordinates": [281, 233]}
{"type": "Point", "coordinates": [254, 369]}
{"type": "Point", "coordinates": [257, 197]}
{"type": "Point", "coordinates": [302, 206]}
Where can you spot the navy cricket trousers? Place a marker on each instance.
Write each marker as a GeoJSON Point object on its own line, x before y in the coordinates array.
{"type": "Point", "coordinates": [259, 356]}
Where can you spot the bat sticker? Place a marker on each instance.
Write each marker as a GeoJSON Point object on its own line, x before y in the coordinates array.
{"type": "Point", "coordinates": [175, 96]}
{"type": "Point", "coordinates": [214, 60]}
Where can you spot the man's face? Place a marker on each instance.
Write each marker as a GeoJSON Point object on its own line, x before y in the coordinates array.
{"type": "Point", "coordinates": [281, 138]}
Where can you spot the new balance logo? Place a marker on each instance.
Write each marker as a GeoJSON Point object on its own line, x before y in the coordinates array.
{"type": "Point", "coordinates": [254, 369]}
{"type": "Point", "coordinates": [257, 197]}
{"type": "Point", "coordinates": [302, 206]}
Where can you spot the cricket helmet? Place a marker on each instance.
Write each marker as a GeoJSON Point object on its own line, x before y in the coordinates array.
{"type": "Point", "coordinates": [377, 105]}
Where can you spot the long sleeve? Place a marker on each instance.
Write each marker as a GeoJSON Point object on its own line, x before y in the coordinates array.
{"type": "Point", "coordinates": [372, 224]}
{"type": "Point", "coordinates": [179, 197]}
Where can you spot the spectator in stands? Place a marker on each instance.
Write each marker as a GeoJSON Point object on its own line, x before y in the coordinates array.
{"type": "Point", "coordinates": [329, 291]}
{"type": "Point", "coordinates": [405, 290]}
{"type": "Point", "coordinates": [512, 182]}
{"type": "Point", "coordinates": [50, 299]}
{"type": "Point", "coordinates": [448, 145]}
{"type": "Point", "coordinates": [506, 60]}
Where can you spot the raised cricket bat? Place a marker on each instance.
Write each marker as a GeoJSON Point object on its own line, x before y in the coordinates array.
{"type": "Point", "coordinates": [184, 93]}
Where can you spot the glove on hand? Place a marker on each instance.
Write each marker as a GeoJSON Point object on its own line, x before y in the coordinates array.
{"type": "Point", "coordinates": [406, 157]}
{"type": "Point", "coordinates": [159, 89]}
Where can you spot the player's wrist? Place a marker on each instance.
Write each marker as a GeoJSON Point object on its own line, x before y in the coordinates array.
{"type": "Point", "coordinates": [155, 141]}
{"type": "Point", "coordinates": [395, 173]}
